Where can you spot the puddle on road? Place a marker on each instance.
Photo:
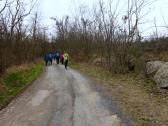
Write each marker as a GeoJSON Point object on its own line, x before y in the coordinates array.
{"type": "Point", "coordinates": [39, 97]}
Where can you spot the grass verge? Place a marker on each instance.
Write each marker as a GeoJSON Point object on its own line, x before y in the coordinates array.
{"type": "Point", "coordinates": [16, 79]}
{"type": "Point", "coordinates": [135, 95]}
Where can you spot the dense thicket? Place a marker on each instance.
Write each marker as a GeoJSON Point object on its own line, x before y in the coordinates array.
{"type": "Point", "coordinates": [103, 34]}
{"type": "Point", "coordinates": [20, 41]}
{"type": "Point", "coordinates": [107, 34]}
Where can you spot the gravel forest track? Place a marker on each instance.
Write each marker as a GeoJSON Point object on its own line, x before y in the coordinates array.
{"type": "Point", "coordinates": [62, 97]}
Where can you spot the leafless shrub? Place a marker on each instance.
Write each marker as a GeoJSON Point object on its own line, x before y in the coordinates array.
{"type": "Point", "coordinates": [103, 34]}
{"type": "Point", "coordinates": [17, 43]}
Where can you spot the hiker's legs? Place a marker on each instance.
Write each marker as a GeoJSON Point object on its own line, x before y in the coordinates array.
{"type": "Point", "coordinates": [66, 64]}
{"type": "Point", "coordinates": [51, 62]}
{"type": "Point", "coordinates": [62, 61]}
{"type": "Point", "coordinates": [57, 61]}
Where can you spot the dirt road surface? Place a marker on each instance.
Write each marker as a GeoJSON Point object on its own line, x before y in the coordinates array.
{"type": "Point", "coordinates": [62, 97]}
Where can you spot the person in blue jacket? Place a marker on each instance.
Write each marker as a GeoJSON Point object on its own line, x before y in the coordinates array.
{"type": "Point", "coordinates": [57, 57]}
{"type": "Point", "coordinates": [48, 58]}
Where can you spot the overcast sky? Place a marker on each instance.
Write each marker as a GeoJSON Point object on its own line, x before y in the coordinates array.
{"type": "Point", "coordinates": [60, 8]}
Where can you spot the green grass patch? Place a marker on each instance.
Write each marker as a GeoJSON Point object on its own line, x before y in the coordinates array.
{"type": "Point", "coordinates": [16, 80]}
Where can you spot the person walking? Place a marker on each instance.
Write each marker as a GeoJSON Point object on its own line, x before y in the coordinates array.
{"type": "Point", "coordinates": [48, 58]}
{"type": "Point", "coordinates": [50, 55]}
{"type": "Point", "coordinates": [66, 59]}
{"type": "Point", "coordinates": [57, 57]}
{"type": "Point", "coordinates": [62, 58]}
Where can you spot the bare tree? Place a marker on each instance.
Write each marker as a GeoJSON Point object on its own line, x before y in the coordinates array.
{"type": "Point", "coordinates": [17, 45]}
{"type": "Point", "coordinates": [103, 33]}
{"type": "Point", "coordinates": [4, 6]}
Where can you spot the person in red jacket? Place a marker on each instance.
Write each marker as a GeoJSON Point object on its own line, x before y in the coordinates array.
{"type": "Point", "coordinates": [62, 58]}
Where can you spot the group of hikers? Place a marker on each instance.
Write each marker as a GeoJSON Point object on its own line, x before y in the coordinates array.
{"type": "Point", "coordinates": [58, 57]}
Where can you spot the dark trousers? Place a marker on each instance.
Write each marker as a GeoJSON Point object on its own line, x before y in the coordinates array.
{"type": "Point", "coordinates": [46, 62]}
{"type": "Point", "coordinates": [51, 61]}
{"type": "Point", "coordinates": [57, 60]}
{"type": "Point", "coordinates": [66, 64]}
{"type": "Point", "coordinates": [62, 61]}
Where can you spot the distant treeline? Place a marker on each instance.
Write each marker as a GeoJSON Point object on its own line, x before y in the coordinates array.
{"type": "Point", "coordinates": [97, 35]}
{"type": "Point", "coordinates": [103, 35]}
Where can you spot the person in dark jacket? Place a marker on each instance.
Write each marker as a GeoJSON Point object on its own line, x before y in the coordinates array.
{"type": "Point", "coordinates": [57, 57]}
{"type": "Point", "coordinates": [48, 59]}
{"type": "Point", "coordinates": [54, 56]}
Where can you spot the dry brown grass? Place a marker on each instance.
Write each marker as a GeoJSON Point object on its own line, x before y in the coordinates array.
{"type": "Point", "coordinates": [21, 67]}
{"type": "Point", "coordinates": [17, 68]}
{"type": "Point", "coordinates": [135, 95]}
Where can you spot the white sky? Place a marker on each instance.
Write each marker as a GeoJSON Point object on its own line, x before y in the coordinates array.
{"type": "Point", "coordinates": [60, 8]}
